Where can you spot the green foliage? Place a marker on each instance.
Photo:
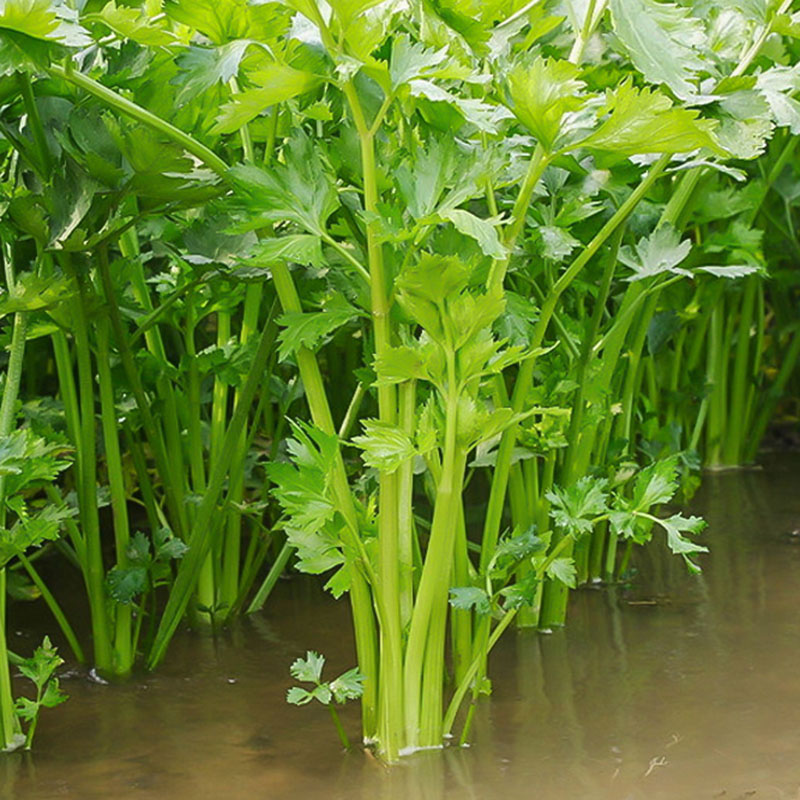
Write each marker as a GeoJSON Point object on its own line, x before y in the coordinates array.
{"type": "Point", "coordinates": [312, 329]}
{"type": "Point", "coordinates": [576, 508]}
{"type": "Point", "coordinates": [418, 212]}
{"type": "Point", "coordinates": [300, 191]}
{"type": "Point", "coordinates": [147, 566]}
{"type": "Point", "coordinates": [348, 686]}
{"type": "Point", "coordinates": [40, 670]}
{"type": "Point", "coordinates": [659, 253]}
{"type": "Point", "coordinates": [664, 42]}
{"type": "Point", "coordinates": [637, 121]}
{"type": "Point", "coordinates": [542, 94]}
{"type": "Point", "coordinates": [385, 447]}
{"type": "Point", "coordinates": [27, 463]}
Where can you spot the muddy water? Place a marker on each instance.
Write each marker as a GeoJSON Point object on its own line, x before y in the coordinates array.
{"type": "Point", "coordinates": [675, 687]}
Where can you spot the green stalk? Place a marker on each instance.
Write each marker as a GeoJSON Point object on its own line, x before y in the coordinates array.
{"type": "Point", "coordinates": [55, 608]}
{"type": "Point", "coordinates": [66, 385]}
{"type": "Point", "coordinates": [361, 602]}
{"type": "Point", "coordinates": [433, 586]}
{"type": "Point", "coordinates": [569, 472]}
{"type": "Point", "coordinates": [35, 122]}
{"type": "Point", "coordinates": [536, 166]}
{"type": "Point", "coordinates": [171, 443]}
{"type": "Point", "coordinates": [714, 426]}
{"type": "Point", "coordinates": [9, 723]}
{"type": "Point", "coordinates": [624, 427]}
{"type": "Point", "coordinates": [202, 532]}
{"type": "Point", "coordinates": [507, 618]}
{"type": "Point", "coordinates": [594, 13]}
{"type": "Point", "coordinates": [339, 727]}
{"type": "Point", "coordinates": [171, 481]}
{"type": "Point", "coordinates": [196, 463]}
{"type": "Point", "coordinates": [207, 580]}
{"type": "Point", "coordinates": [229, 586]}
{"type": "Point", "coordinates": [773, 395]}
{"type": "Point", "coordinates": [461, 621]}
{"type": "Point", "coordinates": [145, 485]}
{"type": "Point", "coordinates": [405, 507]}
{"type": "Point", "coordinates": [391, 653]}
{"type": "Point", "coordinates": [676, 363]}
{"type": "Point", "coordinates": [522, 503]}
{"type": "Point", "coordinates": [755, 369]}
{"type": "Point", "coordinates": [494, 511]}
{"type": "Point", "coordinates": [131, 109]}
{"type": "Point", "coordinates": [274, 573]}
{"type": "Point", "coordinates": [735, 432]}
{"type": "Point", "coordinates": [123, 655]}
{"type": "Point", "coordinates": [94, 569]}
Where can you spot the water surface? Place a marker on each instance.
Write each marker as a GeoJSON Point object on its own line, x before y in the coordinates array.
{"type": "Point", "coordinates": [674, 687]}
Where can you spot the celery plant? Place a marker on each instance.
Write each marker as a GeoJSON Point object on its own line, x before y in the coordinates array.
{"type": "Point", "coordinates": [454, 193]}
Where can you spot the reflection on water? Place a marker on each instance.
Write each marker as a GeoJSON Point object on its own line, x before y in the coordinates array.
{"type": "Point", "coordinates": [676, 687]}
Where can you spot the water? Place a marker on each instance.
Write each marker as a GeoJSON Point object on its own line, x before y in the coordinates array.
{"type": "Point", "coordinates": [676, 687]}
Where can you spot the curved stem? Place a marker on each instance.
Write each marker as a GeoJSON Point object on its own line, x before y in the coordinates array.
{"type": "Point", "coordinates": [137, 112]}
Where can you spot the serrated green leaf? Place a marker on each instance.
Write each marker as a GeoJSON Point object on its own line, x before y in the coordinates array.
{"type": "Point", "coordinates": [730, 270]}
{"type": "Point", "coordinates": [655, 484]}
{"type": "Point", "coordinates": [662, 40]}
{"type": "Point", "coordinates": [138, 550]}
{"type": "Point", "coordinates": [557, 243]}
{"type": "Point", "coordinates": [34, 293]}
{"type": "Point", "coordinates": [134, 24]}
{"type": "Point", "coordinates": [384, 446]}
{"type": "Point", "coordinates": [521, 594]}
{"type": "Point", "coordinates": [483, 231]}
{"type": "Point", "coordinates": [274, 84]}
{"type": "Point", "coordinates": [777, 85]}
{"type": "Point", "coordinates": [512, 549]}
{"type": "Point", "coordinates": [310, 329]}
{"type": "Point", "coordinates": [219, 20]}
{"type": "Point", "coordinates": [26, 709]}
{"type": "Point", "coordinates": [656, 254]}
{"type": "Point", "coordinates": [340, 582]}
{"type": "Point", "coordinates": [204, 67]}
{"type": "Point", "coordinates": [302, 495]}
{"type": "Point", "coordinates": [300, 190]}
{"type": "Point", "coordinates": [676, 525]}
{"type": "Point", "coordinates": [40, 667]}
{"type": "Point", "coordinates": [643, 121]}
{"type": "Point", "coordinates": [53, 695]}
{"type": "Point", "coordinates": [573, 509]}
{"type": "Point", "coordinates": [298, 696]}
{"type": "Point", "coordinates": [167, 546]}
{"type": "Point", "coordinates": [300, 248]}
{"type": "Point", "coordinates": [308, 668]}
{"type": "Point", "coordinates": [400, 364]}
{"type": "Point", "coordinates": [348, 686]}
{"type": "Point", "coordinates": [44, 19]}
{"type": "Point", "coordinates": [542, 93]}
{"type": "Point", "coordinates": [410, 59]}
{"type": "Point", "coordinates": [467, 598]}
{"type": "Point", "coordinates": [563, 570]}
{"type": "Point", "coordinates": [125, 584]}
